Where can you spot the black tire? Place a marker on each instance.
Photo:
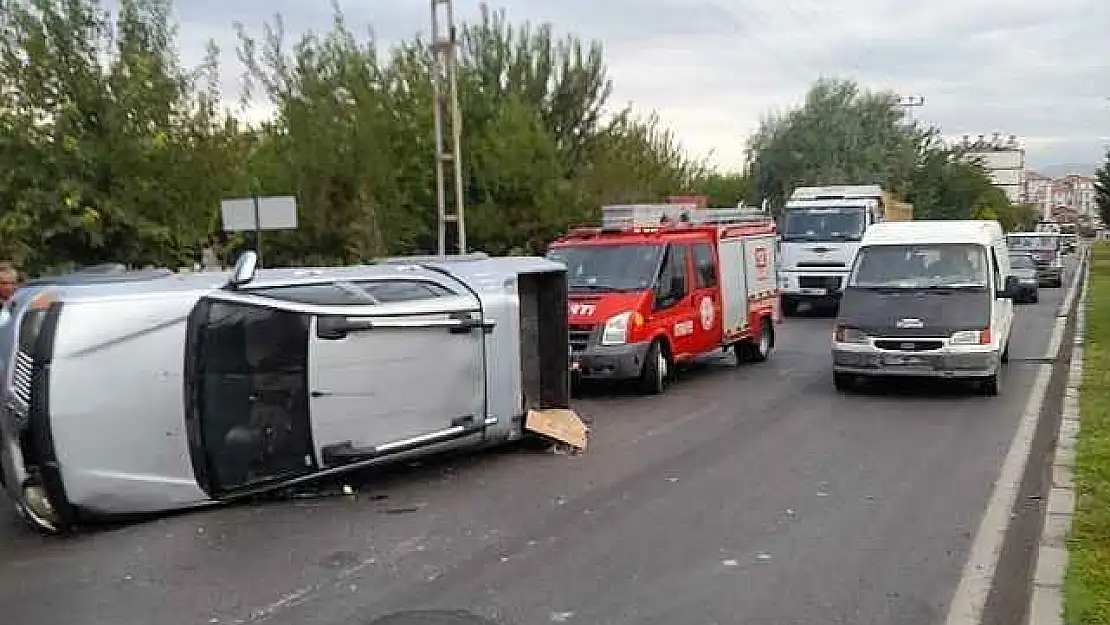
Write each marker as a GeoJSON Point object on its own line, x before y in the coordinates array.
{"type": "Point", "coordinates": [843, 382]}
{"type": "Point", "coordinates": [1034, 299]}
{"type": "Point", "coordinates": [1006, 352]}
{"type": "Point", "coordinates": [789, 307]}
{"type": "Point", "coordinates": [991, 386]}
{"type": "Point", "coordinates": [760, 349]}
{"type": "Point", "coordinates": [655, 373]}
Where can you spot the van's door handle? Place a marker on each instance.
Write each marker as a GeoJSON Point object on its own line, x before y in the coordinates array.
{"type": "Point", "coordinates": [467, 324]}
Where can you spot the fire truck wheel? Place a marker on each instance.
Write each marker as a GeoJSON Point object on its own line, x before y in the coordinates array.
{"type": "Point", "coordinates": [656, 370]}
{"type": "Point", "coordinates": [760, 349]}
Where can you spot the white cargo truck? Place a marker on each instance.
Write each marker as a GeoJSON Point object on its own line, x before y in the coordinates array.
{"type": "Point", "coordinates": [820, 235]}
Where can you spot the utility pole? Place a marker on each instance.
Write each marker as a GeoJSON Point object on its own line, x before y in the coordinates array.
{"type": "Point", "coordinates": [445, 92]}
{"type": "Point", "coordinates": [910, 102]}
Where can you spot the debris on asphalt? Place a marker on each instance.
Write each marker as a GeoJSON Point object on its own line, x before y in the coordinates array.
{"type": "Point", "coordinates": [672, 479]}
{"type": "Point", "coordinates": [561, 617]}
{"type": "Point", "coordinates": [561, 425]}
{"type": "Point", "coordinates": [763, 557]}
{"type": "Point", "coordinates": [730, 562]}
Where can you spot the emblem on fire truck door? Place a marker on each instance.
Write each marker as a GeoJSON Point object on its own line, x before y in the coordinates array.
{"type": "Point", "coordinates": [761, 262]}
{"type": "Point", "coordinates": [706, 311]}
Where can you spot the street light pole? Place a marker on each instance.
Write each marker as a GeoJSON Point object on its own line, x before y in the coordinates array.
{"type": "Point", "coordinates": [908, 103]}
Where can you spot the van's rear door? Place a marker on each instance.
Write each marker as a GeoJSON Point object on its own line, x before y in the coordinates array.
{"type": "Point", "coordinates": [305, 377]}
{"type": "Point", "coordinates": [396, 375]}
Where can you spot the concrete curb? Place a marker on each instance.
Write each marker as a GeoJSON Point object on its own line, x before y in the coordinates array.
{"type": "Point", "coordinates": [1046, 599]}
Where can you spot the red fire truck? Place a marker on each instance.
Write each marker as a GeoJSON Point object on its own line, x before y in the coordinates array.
{"type": "Point", "coordinates": [659, 284]}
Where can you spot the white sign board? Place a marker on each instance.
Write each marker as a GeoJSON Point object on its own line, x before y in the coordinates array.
{"type": "Point", "coordinates": [274, 213]}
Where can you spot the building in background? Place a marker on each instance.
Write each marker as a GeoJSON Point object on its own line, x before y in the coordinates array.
{"type": "Point", "coordinates": [1002, 157]}
{"type": "Point", "coordinates": [1069, 198]}
{"type": "Point", "coordinates": [1038, 192]}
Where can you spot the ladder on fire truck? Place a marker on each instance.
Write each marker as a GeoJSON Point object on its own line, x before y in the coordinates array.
{"type": "Point", "coordinates": [628, 216]}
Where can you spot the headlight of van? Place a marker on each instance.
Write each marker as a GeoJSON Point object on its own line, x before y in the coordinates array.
{"type": "Point", "coordinates": [971, 337]}
{"type": "Point", "coordinates": [616, 329]}
{"type": "Point", "coordinates": [849, 335]}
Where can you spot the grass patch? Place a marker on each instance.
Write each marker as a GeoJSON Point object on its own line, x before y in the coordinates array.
{"type": "Point", "coordinates": [1087, 587]}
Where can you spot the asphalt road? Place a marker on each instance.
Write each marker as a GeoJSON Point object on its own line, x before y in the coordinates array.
{"type": "Point", "coordinates": [751, 494]}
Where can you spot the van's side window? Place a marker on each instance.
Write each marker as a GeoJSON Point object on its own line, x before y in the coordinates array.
{"type": "Point", "coordinates": [705, 266]}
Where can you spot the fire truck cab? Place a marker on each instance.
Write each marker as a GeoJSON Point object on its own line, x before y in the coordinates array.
{"type": "Point", "coordinates": [660, 284]}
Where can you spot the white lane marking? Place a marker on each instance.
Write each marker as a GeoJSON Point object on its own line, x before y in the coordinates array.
{"type": "Point", "coordinates": [1056, 339]}
{"type": "Point", "coordinates": [978, 574]}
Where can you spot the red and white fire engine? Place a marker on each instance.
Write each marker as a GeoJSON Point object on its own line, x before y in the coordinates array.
{"type": "Point", "coordinates": [660, 284]}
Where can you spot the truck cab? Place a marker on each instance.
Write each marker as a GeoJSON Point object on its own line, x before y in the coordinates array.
{"type": "Point", "coordinates": [820, 236]}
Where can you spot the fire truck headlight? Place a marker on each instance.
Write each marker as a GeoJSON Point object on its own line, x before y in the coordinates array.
{"type": "Point", "coordinates": [616, 329]}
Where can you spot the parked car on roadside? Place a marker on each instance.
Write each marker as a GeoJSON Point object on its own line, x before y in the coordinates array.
{"type": "Point", "coordinates": [138, 392]}
{"type": "Point", "coordinates": [1024, 267]}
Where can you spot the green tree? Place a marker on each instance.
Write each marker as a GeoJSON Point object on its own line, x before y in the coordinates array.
{"type": "Point", "coordinates": [537, 154]}
{"type": "Point", "coordinates": [840, 135]}
{"type": "Point", "coordinates": [1102, 189]}
{"type": "Point", "coordinates": [108, 150]}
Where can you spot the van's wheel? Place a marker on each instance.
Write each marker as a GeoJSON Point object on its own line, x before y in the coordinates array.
{"type": "Point", "coordinates": [656, 370]}
{"type": "Point", "coordinates": [1006, 352]}
{"type": "Point", "coordinates": [991, 386]}
{"type": "Point", "coordinates": [760, 349]}
{"type": "Point", "coordinates": [843, 382]}
{"type": "Point", "coordinates": [789, 307]}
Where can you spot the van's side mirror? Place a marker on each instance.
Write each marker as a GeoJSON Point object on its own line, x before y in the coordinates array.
{"type": "Point", "coordinates": [244, 268]}
{"type": "Point", "coordinates": [1011, 288]}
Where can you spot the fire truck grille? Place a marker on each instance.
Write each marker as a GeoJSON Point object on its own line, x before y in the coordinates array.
{"type": "Point", "coordinates": [580, 335]}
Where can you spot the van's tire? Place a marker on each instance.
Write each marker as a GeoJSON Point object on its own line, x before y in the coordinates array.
{"type": "Point", "coordinates": [760, 349]}
{"type": "Point", "coordinates": [1006, 352]}
{"type": "Point", "coordinates": [843, 382]}
{"type": "Point", "coordinates": [789, 307]}
{"type": "Point", "coordinates": [991, 386]}
{"type": "Point", "coordinates": [656, 371]}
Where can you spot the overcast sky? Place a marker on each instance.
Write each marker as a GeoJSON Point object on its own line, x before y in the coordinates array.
{"type": "Point", "coordinates": [1039, 69]}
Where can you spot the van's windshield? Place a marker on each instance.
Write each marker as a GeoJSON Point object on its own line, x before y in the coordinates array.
{"type": "Point", "coordinates": [921, 266]}
{"type": "Point", "coordinates": [609, 267]}
{"type": "Point", "coordinates": [1033, 241]}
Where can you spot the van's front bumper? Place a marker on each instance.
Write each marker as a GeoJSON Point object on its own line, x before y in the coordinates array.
{"type": "Point", "coordinates": [609, 362]}
{"type": "Point", "coordinates": [947, 362]}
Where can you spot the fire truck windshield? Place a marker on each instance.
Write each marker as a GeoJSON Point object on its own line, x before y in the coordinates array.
{"type": "Point", "coordinates": [609, 267]}
{"type": "Point", "coordinates": [839, 223]}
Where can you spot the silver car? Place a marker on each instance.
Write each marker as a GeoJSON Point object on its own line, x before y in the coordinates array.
{"type": "Point", "coordinates": [144, 392]}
